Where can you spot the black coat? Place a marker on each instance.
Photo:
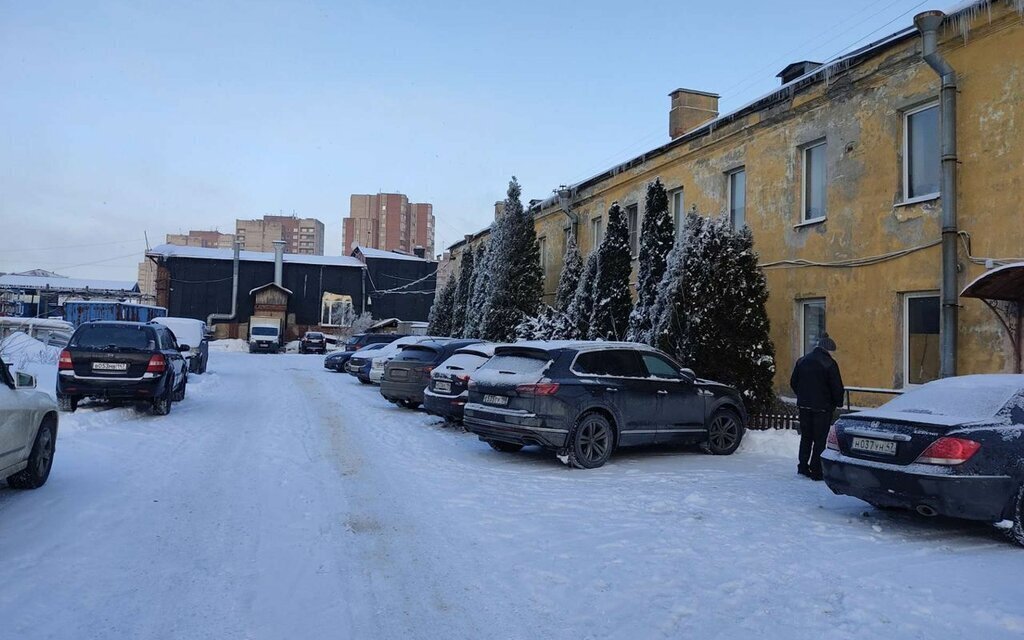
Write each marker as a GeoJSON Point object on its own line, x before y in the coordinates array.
{"type": "Point", "coordinates": [817, 382]}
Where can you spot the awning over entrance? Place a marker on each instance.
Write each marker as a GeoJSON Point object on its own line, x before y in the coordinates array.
{"type": "Point", "coordinates": [1002, 289]}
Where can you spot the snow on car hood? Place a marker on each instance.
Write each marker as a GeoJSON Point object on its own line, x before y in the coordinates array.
{"type": "Point", "coordinates": [951, 401]}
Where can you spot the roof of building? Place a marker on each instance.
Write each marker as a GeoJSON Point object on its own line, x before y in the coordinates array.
{"type": "Point", "coordinates": [268, 286]}
{"type": "Point", "coordinates": [370, 252]}
{"type": "Point", "coordinates": [60, 283]}
{"type": "Point", "coordinates": [176, 251]}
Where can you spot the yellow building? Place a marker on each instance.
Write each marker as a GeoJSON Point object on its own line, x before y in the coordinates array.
{"type": "Point", "coordinates": [838, 175]}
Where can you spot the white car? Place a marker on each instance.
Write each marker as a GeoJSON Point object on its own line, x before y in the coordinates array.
{"type": "Point", "coordinates": [28, 430]}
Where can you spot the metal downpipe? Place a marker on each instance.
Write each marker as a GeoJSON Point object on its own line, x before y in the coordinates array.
{"type": "Point", "coordinates": [928, 24]}
{"type": "Point", "coordinates": [210, 319]}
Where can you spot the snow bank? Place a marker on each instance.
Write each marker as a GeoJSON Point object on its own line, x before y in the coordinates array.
{"type": "Point", "coordinates": [782, 443]}
{"type": "Point", "coordinates": [232, 345]}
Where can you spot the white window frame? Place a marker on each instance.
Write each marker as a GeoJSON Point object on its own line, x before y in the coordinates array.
{"type": "Point", "coordinates": [906, 155]}
{"type": "Point", "coordinates": [801, 303]}
{"type": "Point", "coordinates": [596, 232]}
{"type": "Point", "coordinates": [633, 209]}
{"type": "Point", "coordinates": [729, 177]}
{"type": "Point", "coordinates": [678, 213]}
{"type": "Point", "coordinates": [542, 245]}
{"type": "Point", "coordinates": [803, 181]}
{"type": "Point", "coordinates": [907, 297]}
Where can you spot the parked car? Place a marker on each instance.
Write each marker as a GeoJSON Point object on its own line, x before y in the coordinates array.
{"type": "Point", "coordinates": [196, 335]}
{"type": "Point", "coordinates": [360, 366]}
{"type": "Point", "coordinates": [28, 430]}
{"type": "Point", "coordinates": [448, 391]}
{"type": "Point", "coordinates": [122, 361]}
{"type": "Point", "coordinates": [358, 341]}
{"type": "Point", "coordinates": [313, 342]}
{"type": "Point", "coordinates": [585, 399]}
{"type": "Point", "coordinates": [407, 374]}
{"type": "Point", "coordinates": [264, 334]}
{"type": "Point", "coordinates": [385, 356]}
{"type": "Point", "coordinates": [337, 360]}
{"type": "Point", "coordinates": [952, 447]}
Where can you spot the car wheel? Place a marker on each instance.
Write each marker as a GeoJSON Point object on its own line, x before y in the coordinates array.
{"type": "Point", "coordinates": [504, 447]}
{"type": "Point", "coordinates": [724, 433]}
{"type": "Point", "coordinates": [162, 405]}
{"type": "Point", "coordinates": [591, 441]}
{"type": "Point", "coordinates": [409, 404]}
{"type": "Point", "coordinates": [1016, 532]}
{"type": "Point", "coordinates": [67, 403]}
{"type": "Point", "coordinates": [361, 381]}
{"type": "Point", "coordinates": [39, 461]}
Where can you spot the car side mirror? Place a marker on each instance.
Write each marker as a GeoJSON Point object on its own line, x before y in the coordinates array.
{"type": "Point", "coordinates": [184, 347]}
{"type": "Point", "coordinates": [24, 381]}
{"type": "Point", "coordinates": [688, 375]}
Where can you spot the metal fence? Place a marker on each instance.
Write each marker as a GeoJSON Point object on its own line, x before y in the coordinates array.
{"type": "Point", "coordinates": [787, 416]}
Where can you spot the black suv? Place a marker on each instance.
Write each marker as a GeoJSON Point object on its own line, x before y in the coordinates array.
{"type": "Point", "coordinates": [360, 340]}
{"type": "Point", "coordinates": [584, 399]}
{"type": "Point", "coordinates": [408, 373]}
{"type": "Point", "coordinates": [313, 342]}
{"type": "Point", "coordinates": [122, 361]}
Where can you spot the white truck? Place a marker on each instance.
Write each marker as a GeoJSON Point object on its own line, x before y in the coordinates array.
{"type": "Point", "coordinates": [264, 334]}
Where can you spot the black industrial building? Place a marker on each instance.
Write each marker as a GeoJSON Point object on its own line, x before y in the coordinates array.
{"type": "Point", "coordinates": [195, 282]}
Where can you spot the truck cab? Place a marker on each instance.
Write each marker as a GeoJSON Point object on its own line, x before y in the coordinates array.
{"type": "Point", "coordinates": [264, 335]}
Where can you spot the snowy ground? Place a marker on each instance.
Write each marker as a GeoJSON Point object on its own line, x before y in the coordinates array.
{"type": "Point", "coordinates": [281, 500]}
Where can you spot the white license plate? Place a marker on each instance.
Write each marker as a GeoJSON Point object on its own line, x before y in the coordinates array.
{"type": "Point", "coordinates": [444, 387]}
{"type": "Point", "coordinates": [883, 447]}
{"type": "Point", "coordinates": [109, 366]}
{"type": "Point", "coordinates": [491, 399]}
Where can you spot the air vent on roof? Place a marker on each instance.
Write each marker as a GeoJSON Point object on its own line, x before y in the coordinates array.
{"type": "Point", "coordinates": [797, 69]}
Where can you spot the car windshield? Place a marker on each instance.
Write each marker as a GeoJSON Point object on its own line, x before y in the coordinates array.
{"type": "Point", "coordinates": [464, 362]}
{"type": "Point", "coordinates": [264, 331]}
{"type": "Point", "coordinates": [314, 336]}
{"type": "Point", "coordinates": [416, 354]}
{"type": "Point", "coordinates": [966, 398]}
{"type": "Point", "coordinates": [123, 336]}
{"type": "Point", "coordinates": [352, 341]}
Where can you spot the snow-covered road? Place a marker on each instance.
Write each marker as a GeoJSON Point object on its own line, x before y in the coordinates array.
{"type": "Point", "coordinates": [280, 500]}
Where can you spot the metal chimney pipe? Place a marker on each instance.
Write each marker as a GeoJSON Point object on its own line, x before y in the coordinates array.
{"type": "Point", "coordinates": [928, 24]}
{"type": "Point", "coordinates": [278, 261]}
{"type": "Point", "coordinates": [234, 291]}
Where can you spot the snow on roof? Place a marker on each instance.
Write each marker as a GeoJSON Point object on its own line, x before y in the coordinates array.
{"type": "Point", "coordinates": [951, 401]}
{"type": "Point", "coordinates": [370, 252]}
{"type": "Point", "coordinates": [13, 281]}
{"type": "Point", "coordinates": [176, 251]}
{"type": "Point", "coordinates": [1007, 285]}
{"type": "Point", "coordinates": [268, 285]}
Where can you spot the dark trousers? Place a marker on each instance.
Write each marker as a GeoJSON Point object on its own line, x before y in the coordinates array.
{"type": "Point", "coordinates": [814, 427]}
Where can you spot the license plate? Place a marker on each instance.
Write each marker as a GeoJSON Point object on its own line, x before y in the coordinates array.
{"type": "Point", "coordinates": [491, 399]}
{"type": "Point", "coordinates": [444, 387]}
{"type": "Point", "coordinates": [399, 374]}
{"type": "Point", "coordinates": [109, 366]}
{"type": "Point", "coordinates": [883, 447]}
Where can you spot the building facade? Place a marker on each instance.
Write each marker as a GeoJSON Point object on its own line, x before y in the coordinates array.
{"type": "Point", "coordinates": [302, 236]}
{"type": "Point", "coordinates": [837, 175]}
{"type": "Point", "coordinates": [388, 221]}
{"type": "Point", "coordinates": [204, 239]}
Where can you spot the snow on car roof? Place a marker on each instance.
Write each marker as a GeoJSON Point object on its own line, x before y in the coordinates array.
{"type": "Point", "coordinates": [951, 401]}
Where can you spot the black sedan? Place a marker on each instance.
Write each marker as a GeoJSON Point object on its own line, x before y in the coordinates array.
{"type": "Point", "coordinates": [336, 360]}
{"type": "Point", "coordinates": [953, 447]}
{"type": "Point", "coordinates": [585, 399]}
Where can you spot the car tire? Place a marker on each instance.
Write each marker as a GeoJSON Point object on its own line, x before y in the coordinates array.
{"type": "Point", "coordinates": [67, 403]}
{"type": "Point", "coordinates": [40, 460]}
{"type": "Point", "coordinates": [725, 432]}
{"type": "Point", "coordinates": [162, 405]}
{"type": "Point", "coordinates": [361, 381]}
{"type": "Point", "coordinates": [1016, 532]}
{"type": "Point", "coordinates": [409, 404]}
{"type": "Point", "coordinates": [505, 447]}
{"type": "Point", "coordinates": [591, 441]}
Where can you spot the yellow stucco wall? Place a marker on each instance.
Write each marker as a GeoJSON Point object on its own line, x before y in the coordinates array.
{"type": "Point", "coordinates": [860, 115]}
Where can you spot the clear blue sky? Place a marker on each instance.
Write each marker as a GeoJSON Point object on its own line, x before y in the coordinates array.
{"type": "Point", "coordinates": [131, 117]}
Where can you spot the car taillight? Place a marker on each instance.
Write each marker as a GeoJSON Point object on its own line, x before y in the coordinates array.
{"type": "Point", "coordinates": [65, 361]}
{"type": "Point", "coordinates": [833, 440]}
{"type": "Point", "coordinates": [539, 389]}
{"type": "Point", "coordinates": [157, 364]}
{"type": "Point", "coordinates": [949, 451]}
{"type": "Point", "coordinates": [462, 379]}
{"type": "Point", "coordinates": [423, 369]}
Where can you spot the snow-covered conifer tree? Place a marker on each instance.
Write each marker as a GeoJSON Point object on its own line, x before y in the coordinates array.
{"type": "Point", "coordinates": [612, 303]}
{"type": "Point", "coordinates": [441, 312]}
{"type": "Point", "coordinates": [572, 266]}
{"type": "Point", "coordinates": [578, 315]}
{"type": "Point", "coordinates": [462, 292]}
{"type": "Point", "coordinates": [480, 291]}
{"type": "Point", "coordinates": [657, 236]}
{"type": "Point", "coordinates": [542, 326]}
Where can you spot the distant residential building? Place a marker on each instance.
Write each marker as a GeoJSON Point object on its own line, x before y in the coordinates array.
{"type": "Point", "coordinates": [390, 222]}
{"type": "Point", "coordinates": [204, 239]}
{"type": "Point", "coordinates": [304, 236]}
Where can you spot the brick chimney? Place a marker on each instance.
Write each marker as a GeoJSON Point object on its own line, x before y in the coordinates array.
{"type": "Point", "coordinates": [690, 109]}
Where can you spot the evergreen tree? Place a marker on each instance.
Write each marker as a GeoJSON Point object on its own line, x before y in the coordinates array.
{"type": "Point", "coordinates": [576, 322]}
{"type": "Point", "coordinates": [612, 303]}
{"type": "Point", "coordinates": [572, 266]}
{"type": "Point", "coordinates": [462, 292]}
{"type": "Point", "coordinates": [657, 236]}
{"type": "Point", "coordinates": [516, 276]}
{"type": "Point", "coordinates": [710, 309]}
{"type": "Point", "coordinates": [543, 326]}
{"type": "Point", "coordinates": [480, 291]}
{"type": "Point", "coordinates": [441, 312]}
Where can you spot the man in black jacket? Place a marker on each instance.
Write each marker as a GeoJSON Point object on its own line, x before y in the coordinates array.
{"type": "Point", "coordinates": [819, 390]}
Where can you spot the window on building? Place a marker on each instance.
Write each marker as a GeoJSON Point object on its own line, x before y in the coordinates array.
{"type": "Point", "coordinates": [678, 213]}
{"type": "Point", "coordinates": [542, 248]}
{"type": "Point", "coordinates": [921, 155]}
{"type": "Point", "coordinates": [336, 310]}
{"type": "Point", "coordinates": [596, 233]}
{"type": "Point", "coordinates": [633, 224]}
{"type": "Point", "coordinates": [814, 182]}
{"type": "Point", "coordinates": [812, 322]}
{"type": "Point", "coordinates": [920, 338]}
{"type": "Point", "coordinates": [738, 198]}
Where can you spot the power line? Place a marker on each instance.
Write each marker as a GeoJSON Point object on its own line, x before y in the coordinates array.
{"type": "Point", "coordinates": [72, 246]}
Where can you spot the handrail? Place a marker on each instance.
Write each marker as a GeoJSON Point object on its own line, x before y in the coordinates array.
{"type": "Point", "coordinates": [881, 390]}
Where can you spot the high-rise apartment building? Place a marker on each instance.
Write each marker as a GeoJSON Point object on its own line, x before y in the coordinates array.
{"type": "Point", "coordinates": [390, 222]}
{"type": "Point", "coordinates": [301, 235]}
